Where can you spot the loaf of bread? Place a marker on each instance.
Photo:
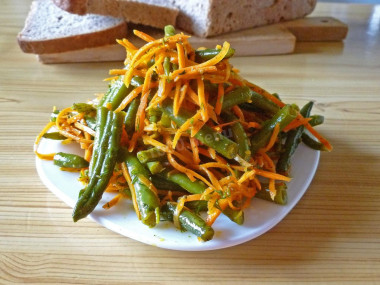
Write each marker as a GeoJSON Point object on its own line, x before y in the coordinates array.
{"type": "Point", "coordinates": [49, 29]}
{"type": "Point", "coordinates": [203, 18]}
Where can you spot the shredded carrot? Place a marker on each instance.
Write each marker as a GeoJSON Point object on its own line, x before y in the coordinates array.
{"type": "Point", "coordinates": [219, 165]}
{"type": "Point", "coordinates": [144, 36]}
{"type": "Point", "coordinates": [212, 61]}
{"type": "Point", "coordinates": [176, 98]}
{"type": "Point", "coordinates": [195, 150]}
{"type": "Point", "coordinates": [132, 188]}
{"type": "Point", "coordinates": [181, 56]}
{"type": "Point", "coordinates": [272, 139]}
{"type": "Point", "coordinates": [238, 112]}
{"type": "Point", "coordinates": [265, 93]}
{"type": "Point", "coordinates": [142, 51]}
{"type": "Point", "coordinates": [298, 121]}
{"type": "Point", "coordinates": [113, 202]}
{"type": "Point", "coordinates": [272, 175]}
{"type": "Point", "coordinates": [185, 127]}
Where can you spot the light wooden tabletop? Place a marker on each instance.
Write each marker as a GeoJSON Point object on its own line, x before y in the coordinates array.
{"type": "Point", "coordinates": [331, 236]}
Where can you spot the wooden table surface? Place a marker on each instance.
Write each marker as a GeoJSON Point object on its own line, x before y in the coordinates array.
{"type": "Point", "coordinates": [331, 236]}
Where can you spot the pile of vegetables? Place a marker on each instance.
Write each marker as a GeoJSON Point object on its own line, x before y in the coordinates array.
{"type": "Point", "coordinates": [181, 133]}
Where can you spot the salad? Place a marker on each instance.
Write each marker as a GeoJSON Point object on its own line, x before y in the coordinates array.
{"type": "Point", "coordinates": [183, 136]}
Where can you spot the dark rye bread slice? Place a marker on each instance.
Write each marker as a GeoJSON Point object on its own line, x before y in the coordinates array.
{"type": "Point", "coordinates": [137, 12]}
{"type": "Point", "coordinates": [49, 29]}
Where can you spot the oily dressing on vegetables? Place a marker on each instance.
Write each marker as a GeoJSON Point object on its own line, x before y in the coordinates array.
{"type": "Point", "coordinates": [183, 136]}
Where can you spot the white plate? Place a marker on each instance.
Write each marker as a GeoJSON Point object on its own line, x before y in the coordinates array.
{"type": "Point", "coordinates": [260, 217]}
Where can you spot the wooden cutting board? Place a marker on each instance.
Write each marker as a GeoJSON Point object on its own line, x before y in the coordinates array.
{"type": "Point", "coordinates": [268, 40]}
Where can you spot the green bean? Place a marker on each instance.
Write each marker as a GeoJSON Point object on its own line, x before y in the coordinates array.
{"type": "Point", "coordinates": [165, 121]}
{"type": "Point", "coordinates": [54, 136]}
{"type": "Point", "coordinates": [181, 179]}
{"type": "Point", "coordinates": [151, 154]}
{"type": "Point", "coordinates": [189, 221]}
{"type": "Point", "coordinates": [137, 81]}
{"type": "Point", "coordinates": [116, 93]}
{"type": "Point", "coordinates": [53, 115]}
{"type": "Point", "coordinates": [207, 54]}
{"type": "Point", "coordinates": [244, 94]}
{"type": "Point", "coordinates": [161, 183]}
{"type": "Point", "coordinates": [69, 160]}
{"type": "Point", "coordinates": [102, 118]}
{"type": "Point", "coordinates": [292, 141]}
{"type": "Point", "coordinates": [316, 120]}
{"type": "Point", "coordinates": [239, 136]}
{"type": "Point", "coordinates": [106, 146]}
{"type": "Point", "coordinates": [236, 216]}
{"type": "Point", "coordinates": [153, 115]}
{"type": "Point", "coordinates": [129, 121]}
{"type": "Point", "coordinates": [206, 134]}
{"type": "Point", "coordinates": [167, 66]}
{"type": "Point", "coordinates": [281, 196]}
{"type": "Point", "coordinates": [151, 62]}
{"type": "Point", "coordinates": [83, 108]}
{"type": "Point", "coordinates": [175, 66]}
{"type": "Point", "coordinates": [197, 206]}
{"type": "Point", "coordinates": [90, 121]}
{"type": "Point", "coordinates": [147, 200]}
{"type": "Point", "coordinates": [155, 167]}
{"type": "Point", "coordinates": [312, 143]}
{"type": "Point", "coordinates": [169, 30]}
{"type": "Point", "coordinates": [283, 117]}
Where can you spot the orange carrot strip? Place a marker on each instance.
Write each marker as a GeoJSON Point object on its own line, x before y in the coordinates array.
{"type": "Point", "coordinates": [176, 98]}
{"type": "Point", "coordinates": [193, 73]}
{"type": "Point", "coordinates": [181, 56]}
{"type": "Point", "coordinates": [202, 99]}
{"type": "Point", "coordinates": [219, 165]}
{"type": "Point", "coordinates": [210, 62]}
{"type": "Point", "coordinates": [272, 139]}
{"type": "Point", "coordinates": [140, 115]}
{"type": "Point", "coordinates": [185, 126]}
{"type": "Point", "coordinates": [143, 36]}
{"type": "Point", "coordinates": [135, 92]}
{"type": "Point", "coordinates": [299, 121]}
{"type": "Point", "coordinates": [272, 175]}
{"type": "Point", "coordinates": [195, 150]}
{"type": "Point", "coordinates": [144, 50]}
{"type": "Point", "coordinates": [238, 112]}
{"type": "Point", "coordinates": [113, 202]}
{"type": "Point", "coordinates": [132, 188]}
{"type": "Point", "coordinates": [188, 172]}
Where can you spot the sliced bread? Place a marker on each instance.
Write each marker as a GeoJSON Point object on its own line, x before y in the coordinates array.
{"type": "Point", "coordinates": [137, 12]}
{"type": "Point", "coordinates": [49, 29]}
{"type": "Point", "coordinates": [200, 17]}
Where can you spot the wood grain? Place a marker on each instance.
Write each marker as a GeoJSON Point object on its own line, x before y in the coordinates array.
{"type": "Point", "coordinates": [331, 237]}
